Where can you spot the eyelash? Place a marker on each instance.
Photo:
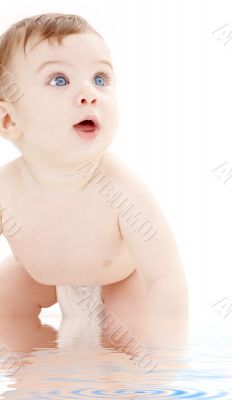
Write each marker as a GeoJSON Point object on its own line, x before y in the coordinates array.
{"type": "Point", "coordinates": [104, 74]}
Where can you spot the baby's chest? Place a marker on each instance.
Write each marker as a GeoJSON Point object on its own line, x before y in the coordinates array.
{"type": "Point", "coordinates": [68, 240]}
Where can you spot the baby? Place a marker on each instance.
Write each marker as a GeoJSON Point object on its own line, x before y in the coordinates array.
{"type": "Point", "coordinates": [76, 218]}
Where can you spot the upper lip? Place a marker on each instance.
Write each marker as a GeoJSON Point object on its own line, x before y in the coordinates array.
{"type": "Point", "coordinates": [90, 118]}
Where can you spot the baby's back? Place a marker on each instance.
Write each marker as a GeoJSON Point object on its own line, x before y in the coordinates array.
{"type": "Point", "coordinates": [64, 240]}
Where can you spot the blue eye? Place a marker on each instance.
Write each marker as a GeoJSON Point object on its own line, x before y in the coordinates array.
{"type": "Point", "coordinates": [100, 80]}
{"type": "Point", "coordinates": [58, 80]}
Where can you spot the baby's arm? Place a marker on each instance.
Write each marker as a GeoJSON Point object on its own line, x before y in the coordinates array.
{"type": "Point", "coordinates": [154, 251]}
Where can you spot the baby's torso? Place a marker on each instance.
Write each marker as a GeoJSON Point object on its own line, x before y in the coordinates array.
{"type": "Point", "coordinates": [74, 240]}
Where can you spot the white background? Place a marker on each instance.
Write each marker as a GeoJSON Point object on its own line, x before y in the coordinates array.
{"type": "Point", "coordinates": [174, 89]}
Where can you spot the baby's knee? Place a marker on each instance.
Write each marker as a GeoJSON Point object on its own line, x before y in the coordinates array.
{"type": "Point", "coordinates": [20, 294]}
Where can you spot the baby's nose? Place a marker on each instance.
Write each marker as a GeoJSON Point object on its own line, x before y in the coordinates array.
{"type": "Point", "coordinates": [86, 98]}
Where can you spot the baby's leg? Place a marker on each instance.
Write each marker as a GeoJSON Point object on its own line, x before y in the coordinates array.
{"type": "Point", "coordinates": [126, 298]}
{"type": "Point", "coordinates": [126, 303]}
{"type": "Point", "coordinates": [20, 294]}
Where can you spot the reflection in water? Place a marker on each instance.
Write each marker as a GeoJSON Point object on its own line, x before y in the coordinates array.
{"type": "Point", "coordinates": [79, 361]}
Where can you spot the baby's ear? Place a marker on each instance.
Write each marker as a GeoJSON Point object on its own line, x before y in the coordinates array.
{"type": "Point", "coordinates": [8, 128]}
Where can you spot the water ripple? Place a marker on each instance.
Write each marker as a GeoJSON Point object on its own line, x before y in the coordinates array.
{"type": "Point", "coordinates": [171, 393]}
{"type": "Point", "coordinates": [202, 371]}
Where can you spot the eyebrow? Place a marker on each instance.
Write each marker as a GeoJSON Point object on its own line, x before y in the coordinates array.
{"type": "Point", "coordinates": [45, 63]}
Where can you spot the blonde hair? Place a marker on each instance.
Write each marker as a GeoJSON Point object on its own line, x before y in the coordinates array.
{"type": "Point", "coordinates": [51, 26]}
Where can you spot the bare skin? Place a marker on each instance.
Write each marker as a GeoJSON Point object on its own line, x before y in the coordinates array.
{"type": "Point", "coordinates": [20, 294]}
{"type": "Point", "coordinates": [34, 268]}
{"type": "Point", "coordinates": [59, 230]}
{"type": "Point", "coordinates": [36, 271]}
{"type": "Point", "coordinates": [59, 225]}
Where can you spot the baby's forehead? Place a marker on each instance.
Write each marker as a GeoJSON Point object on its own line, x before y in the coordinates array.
{"type": "Point", "coordinates": [72, 48]}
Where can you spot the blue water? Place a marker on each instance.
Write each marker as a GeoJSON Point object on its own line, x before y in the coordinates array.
{"type": "Point", "coordinates": [70, 363]}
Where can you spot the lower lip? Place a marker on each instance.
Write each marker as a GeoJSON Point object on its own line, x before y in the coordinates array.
{"type": "Point", "coordinates": [87, 135]}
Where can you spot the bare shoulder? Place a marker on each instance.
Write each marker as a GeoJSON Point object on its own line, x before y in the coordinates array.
{"type": "Point", "coordinates": [8, 177]}
{"type": "Point", "coordinates": [120, 171]}
{"type": "Point", "coordinates": [138, 195]}
{"type": "Point", "coordinates": [128, 181]}
{"type": "Point", "coordinates": [8, 170]}
{"type": "Point", "coordinates": [4, 176]}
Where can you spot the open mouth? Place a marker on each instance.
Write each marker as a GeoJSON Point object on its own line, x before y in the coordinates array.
{"type": "Point", "coordinates": [86, 126]}
{"type": "Point", "coordinates": [89, 124]}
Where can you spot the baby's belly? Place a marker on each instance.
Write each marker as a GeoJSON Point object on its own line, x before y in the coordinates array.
{"type": "Point", "coordinates": [67, 265]}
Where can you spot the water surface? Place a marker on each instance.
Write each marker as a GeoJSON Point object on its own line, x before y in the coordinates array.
{"type": "Point", "coordinates": [65, 359]}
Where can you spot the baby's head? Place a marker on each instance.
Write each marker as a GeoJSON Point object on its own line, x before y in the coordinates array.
{"type": "Point", "coordinates": [55, 71]}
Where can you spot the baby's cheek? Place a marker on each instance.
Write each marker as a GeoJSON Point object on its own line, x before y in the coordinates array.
{"type": "Point", "coordinates": [112, 112]}
{"type": "Point", "coordinates": [114, 119]}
